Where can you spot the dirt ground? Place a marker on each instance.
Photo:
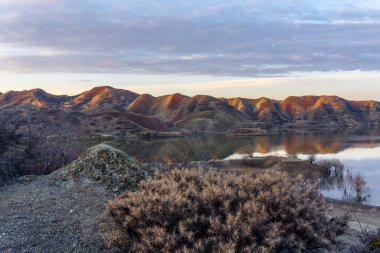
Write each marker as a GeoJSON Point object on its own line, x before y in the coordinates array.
{"type": "Point", "coordinates": [37, 217]}
{"type": "Point", "coordinates": [362, 216]}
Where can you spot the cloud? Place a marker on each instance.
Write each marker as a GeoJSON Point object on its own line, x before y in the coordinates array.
{"type": "Point", "coordinates": [82, 81]}
{"type": "Point", "coordinates": [225, 38]}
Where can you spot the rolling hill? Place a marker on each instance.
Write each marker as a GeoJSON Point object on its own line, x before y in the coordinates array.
{"type": "Point", "coordinates": [201, 113]}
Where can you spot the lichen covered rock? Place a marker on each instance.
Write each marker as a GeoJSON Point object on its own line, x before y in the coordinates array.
{"type": "Point", "coordinates": [104, 165]}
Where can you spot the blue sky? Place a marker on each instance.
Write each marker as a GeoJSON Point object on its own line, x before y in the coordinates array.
{"type": "Point", "coordinates": [224, 48]}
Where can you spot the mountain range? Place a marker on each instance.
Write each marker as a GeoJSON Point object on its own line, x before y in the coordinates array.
{"type": "Point", "coordinates": [106, 109]}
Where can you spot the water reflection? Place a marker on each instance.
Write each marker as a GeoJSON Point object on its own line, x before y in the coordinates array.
{"type": "Point", "coordinates": [358, 149]}
{"type": "Point", "coordinates": [221, 146]}
{"type": "Point", "coordinates": [352, 186]}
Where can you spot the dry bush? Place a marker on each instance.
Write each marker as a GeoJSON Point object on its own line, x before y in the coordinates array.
{"type": "Point", "coordinates": [199, 211]}
{"type": "Point", "coordinates": [29, 146]}
{"type": "Point", "coordinates": [10, 139]}
{"type": "Point", "coordinates": [331, 167]}
{"type": "Point", "coordinates": [355, 188]}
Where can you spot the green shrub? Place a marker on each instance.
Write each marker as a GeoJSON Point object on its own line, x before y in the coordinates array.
{"type": "Point", "coordinates": [199, 211]}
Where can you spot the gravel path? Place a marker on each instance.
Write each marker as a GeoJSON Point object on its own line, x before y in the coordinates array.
{"type": "Point", "coordinates": [38, 217]}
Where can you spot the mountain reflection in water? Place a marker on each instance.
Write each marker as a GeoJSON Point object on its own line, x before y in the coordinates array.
{"type": "Point", "coordinates": [358, 149]}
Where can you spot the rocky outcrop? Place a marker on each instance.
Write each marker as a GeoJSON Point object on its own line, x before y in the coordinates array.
{"type": "Point", "coordinates": [102, 165]}
{"type": "Point", "coordinates": [61, 212]}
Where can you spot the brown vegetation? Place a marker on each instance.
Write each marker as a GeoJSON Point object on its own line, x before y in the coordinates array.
{"type": "Point", "coordinates": [331, 167]}
{"type": "Point", "coordinates": [199, 211]}
{"type": "Point", "coordinates": [355, 188]}
{"type": "Point", "coordinates": [30, 147]}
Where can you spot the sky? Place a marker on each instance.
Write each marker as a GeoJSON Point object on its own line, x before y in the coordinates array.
{"type": "Point", "coordinates": [224, 48]}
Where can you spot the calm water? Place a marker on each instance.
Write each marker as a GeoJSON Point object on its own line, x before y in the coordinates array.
{"type": "Point", "coordinates": [358, 149]}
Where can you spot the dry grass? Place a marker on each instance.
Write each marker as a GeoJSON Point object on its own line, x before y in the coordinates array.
{"type": "Point", "coordinates": [199, 211]}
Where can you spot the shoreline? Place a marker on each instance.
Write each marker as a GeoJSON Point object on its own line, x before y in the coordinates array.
{"type": "Point", "coordinates": [362, 217]}
{"type": "Point", "coordinates": [241, 132]}
{"type": "Point", "coordinates": [344, 203]}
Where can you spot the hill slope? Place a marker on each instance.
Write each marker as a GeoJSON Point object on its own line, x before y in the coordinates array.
{"type": "Point", "coordinates": [102, 98]}
{"type": "Point", "coordinates": [200, 113]}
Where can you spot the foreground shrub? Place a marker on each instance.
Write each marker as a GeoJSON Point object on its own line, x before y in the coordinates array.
{"type": "Point", "coordinates": [198, 211]}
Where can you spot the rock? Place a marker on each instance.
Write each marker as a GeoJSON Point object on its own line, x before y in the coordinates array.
{"type": "Point", "coordinates": [104, 165]}
{"type": "Point", "coordinates": [25, 179]}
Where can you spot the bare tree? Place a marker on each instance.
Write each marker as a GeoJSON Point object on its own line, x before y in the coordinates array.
{"type": "Point", "coordinates": [355, 188]}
